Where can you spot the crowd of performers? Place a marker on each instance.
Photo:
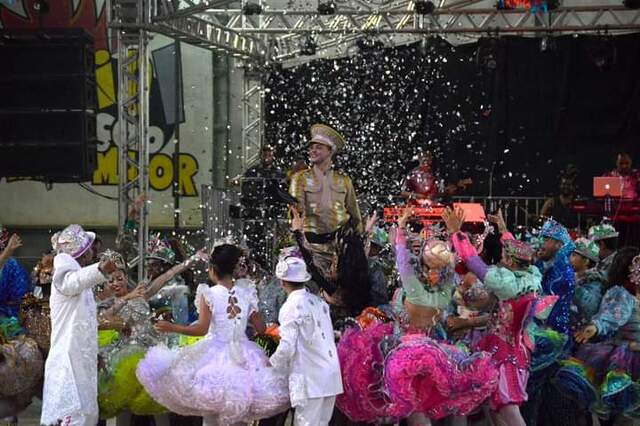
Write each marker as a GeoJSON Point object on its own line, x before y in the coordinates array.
{"type": "Point", "coordinates": [358, 323]}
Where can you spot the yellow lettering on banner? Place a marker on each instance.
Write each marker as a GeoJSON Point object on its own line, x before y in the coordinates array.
{"type": "Point", "coordinates": [106, 172]}
{"type": "Point", "coordinates": [160, 172]}
{"type": "Point", "coordinates": [188, 169]}
{"type": "Point", "coordinates": [104, 79]}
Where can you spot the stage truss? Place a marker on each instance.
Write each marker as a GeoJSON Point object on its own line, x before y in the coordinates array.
{"type": "Point", "coordinates": [279, 34]}
{"type": "Point", "coordinates": [128, 18]}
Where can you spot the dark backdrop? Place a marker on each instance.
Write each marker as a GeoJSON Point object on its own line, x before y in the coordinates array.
{"type": "Point", "coordinates": [505, 108]}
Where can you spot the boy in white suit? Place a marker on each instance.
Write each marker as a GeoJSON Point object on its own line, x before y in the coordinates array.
{"type": "Point", "coordinates": [307, 349]}
{"type": "Point", "coordinates": [71, 372]}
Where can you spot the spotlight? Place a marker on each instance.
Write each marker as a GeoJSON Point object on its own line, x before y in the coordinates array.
{"type": "Point", "coordinates": [547, 43]}
{"type": "Point", "coordinates": [631, 4]}
{"type": "Point", "coordinates": [252, 9]}
{"type": "Point", "coordinates": [308, 47]}
{"type": "Point", "coordinates": [423, 7]}
{"type": "Point", "coordinates": [326, 8]}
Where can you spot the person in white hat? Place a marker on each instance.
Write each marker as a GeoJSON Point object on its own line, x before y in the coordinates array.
{"type": "Point", "coordinates": [71, 371]}
{"type": "Point", "coordinates": [331, 223]}
{"type": "Point", "coordinates": [307, 349]}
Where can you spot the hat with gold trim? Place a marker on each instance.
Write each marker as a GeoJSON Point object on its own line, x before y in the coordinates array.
{"type": "Point", "coordinates": [325, 135]}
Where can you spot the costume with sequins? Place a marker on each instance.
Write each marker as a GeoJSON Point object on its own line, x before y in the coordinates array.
{"type": "Point", "coordinates": [506, 337]}
{"type": "Point", "coordinates": [587, 297]}
{"type": "Point", "coordinates": [604, 375]}
{"type": "Point", "coordinates": [392, 373]}
{"type": "Point", "coordinates": [559, 279]}
{"type": "Point", "coordinates": [224, 375]}
{"type": "Point", "coordinates": [21, 367]}
{"type": "Point", "coordinates": [14, 284]}
{"type": "Point", "coordinates": [118, 386]}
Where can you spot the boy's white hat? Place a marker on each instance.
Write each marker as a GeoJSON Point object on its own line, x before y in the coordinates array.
{"type": "Point", "coordinates": [292, 269]}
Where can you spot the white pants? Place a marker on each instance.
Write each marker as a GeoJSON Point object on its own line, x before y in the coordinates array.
{"type": "Point", "coordinates": [315, 412]}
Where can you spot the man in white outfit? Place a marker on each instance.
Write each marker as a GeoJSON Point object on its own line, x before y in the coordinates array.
{"type": "Point", "coordinates": [70, 395]}
{"type": "Point", "coordinates": [307, 348]}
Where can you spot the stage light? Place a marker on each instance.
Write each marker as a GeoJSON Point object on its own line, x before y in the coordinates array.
{"type": "Point", "coordinates": [252, 9]}
{"type": "Point", "coordinates": [548, 43]}
{"type": "Point", "coordinates": [631, 4]}
{"type": "Point", "coordinates": [423, 7]}
{"type": "Point", "coordinates": [326, 8]}
{"type": "Point", "coordinates": [308, 47]}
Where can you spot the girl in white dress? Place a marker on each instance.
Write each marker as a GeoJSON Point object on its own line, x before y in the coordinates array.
{"type": "Point", "coordinates": [224, 378]}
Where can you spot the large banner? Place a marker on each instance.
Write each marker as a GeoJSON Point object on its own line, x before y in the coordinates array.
{"type": "Point", "coordinates": [180, 97]}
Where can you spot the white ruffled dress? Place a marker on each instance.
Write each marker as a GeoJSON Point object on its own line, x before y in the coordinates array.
{"type": "Point", "coordinates": [225, 375]}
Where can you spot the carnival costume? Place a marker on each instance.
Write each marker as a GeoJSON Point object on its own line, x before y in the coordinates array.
{"type": "Point", "coordinates": [604, 376]}
{"type": "Point", "coordinates": [392, 373]}
{"type": "Point", "coordinates": [506, 338]}
{"type": "Point", "coordinates": [224, 376]}
{"type": "Point", "coordinates": [70, 384]}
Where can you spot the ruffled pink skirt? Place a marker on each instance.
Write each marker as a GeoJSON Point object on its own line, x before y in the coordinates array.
{"type": "Point", "coordinates": [418, 375]}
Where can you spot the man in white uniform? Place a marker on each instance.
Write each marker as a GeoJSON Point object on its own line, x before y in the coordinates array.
{"type": "Point", "coordinates": [307, 348]}
{"type": "Point", "coordinates": [71, 372]}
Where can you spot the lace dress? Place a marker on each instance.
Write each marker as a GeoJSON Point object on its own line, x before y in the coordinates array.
{"type": "Point", "coordinates": [225, 375]}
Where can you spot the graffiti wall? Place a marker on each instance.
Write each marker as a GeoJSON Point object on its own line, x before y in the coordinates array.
{"type": "Point", "coordinates": [180, 134]}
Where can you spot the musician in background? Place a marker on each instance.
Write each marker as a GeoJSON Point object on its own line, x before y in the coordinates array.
{"type": "Point", "coordinates": [259, 204]}
{"type": "Point", "coordinates": [421, 186]}
{"type": "Point", "coordinates": [559, 206]}
{"type": "Point", "coordinates": [627, 223]}
{"type": "Point", "coordinates": [630, 176]}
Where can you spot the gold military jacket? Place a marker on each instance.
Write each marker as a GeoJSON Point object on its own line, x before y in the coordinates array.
{"type": "Point", "coordinates": [327, 200]}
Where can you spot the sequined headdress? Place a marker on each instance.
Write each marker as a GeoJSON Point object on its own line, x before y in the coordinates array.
{"type": "Point", "coordinates": [588, 249]}
{"type": "Point", "coordinates": [518, 250]}
{"type": "Point", "coordinates": [554, 230]}
{"type": "Point", "coordinates": [603, 231]}
{"type": "Point", "coordinates": [116, 258]}
{"type": "Point", "coordinates": [160, 249]}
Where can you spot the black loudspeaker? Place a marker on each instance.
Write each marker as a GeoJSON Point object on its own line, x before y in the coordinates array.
{"type": "Point", "coordinates": [48, 105]}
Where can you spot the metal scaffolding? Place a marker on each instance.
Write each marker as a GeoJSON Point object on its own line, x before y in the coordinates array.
{"type": "Point", "coordinates": [257, 32]}
{"type": "Point", "coordinates": [128, 19]}
{"type": "Point", "coordinates": [252, 124]}
{"type": "Point", "coordinates": [261, 32]}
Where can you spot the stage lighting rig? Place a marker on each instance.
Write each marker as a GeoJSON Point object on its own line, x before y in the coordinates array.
{"type": "Point", "coordinates": [326, 8]}
{"type": "Point", "coordinates": [252, 9]}
{"type": "Point", "coordinates": [423, 7]}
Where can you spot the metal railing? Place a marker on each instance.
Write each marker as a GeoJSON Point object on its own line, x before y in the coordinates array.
{"type": "Point", "coordinates": [517, 211]}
